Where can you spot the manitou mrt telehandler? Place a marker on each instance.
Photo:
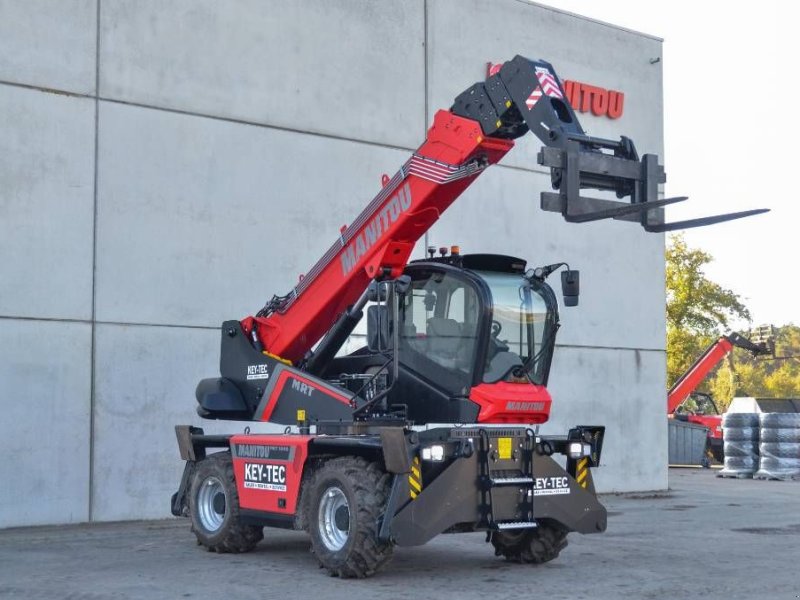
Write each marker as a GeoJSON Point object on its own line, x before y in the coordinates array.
{"type": "Point", "coordinates": [466, 340]}
{"type": "Point", "coordinates": [705, 411]}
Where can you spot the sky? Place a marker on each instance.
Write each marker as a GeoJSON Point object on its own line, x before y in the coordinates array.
{"type": "Point", "coordinates": [731, 72]}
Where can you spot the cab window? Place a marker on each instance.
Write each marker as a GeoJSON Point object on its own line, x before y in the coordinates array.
{"type": "Point", "coordinates": [439, 329]}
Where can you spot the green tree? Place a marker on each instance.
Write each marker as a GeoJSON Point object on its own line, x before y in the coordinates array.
{"type": "Point", "coordinates": [759, 376]}
{"type": "Point", "coordinates": [698, 309]}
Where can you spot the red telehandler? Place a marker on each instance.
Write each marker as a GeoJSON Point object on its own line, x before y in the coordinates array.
{"type": "Point", "coordinates": [704, 410]}
{"type": "Point", "coordinates": [461, 339]}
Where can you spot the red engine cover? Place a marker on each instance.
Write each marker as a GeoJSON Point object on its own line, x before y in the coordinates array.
{"type": "Point", "coordinates": [505, 402]}
{"type": "Point", "coordinates": [268, 470]}
{"type": "Point", "coordinates": [713, 422]}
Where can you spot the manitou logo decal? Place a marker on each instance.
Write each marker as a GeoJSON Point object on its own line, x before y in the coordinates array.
{"type": "Point", "coordinates": [266, 452]}
{"type": "Point", "coordinates": [357, 248]}
{"type": "Point", "coordinates": [525, 406]}
{"type": "Point", "coordinates": [265, 477]}
{"type": "Point", "coordinates": [582, 96]}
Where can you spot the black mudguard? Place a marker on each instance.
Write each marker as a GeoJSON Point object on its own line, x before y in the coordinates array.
{"type": "Point", "coordinates": [453, 498]}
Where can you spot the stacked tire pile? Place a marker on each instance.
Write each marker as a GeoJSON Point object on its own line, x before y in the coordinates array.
{"type": "Point", "coordinates": [740, 435]}
{"type": "Point", "coordinates": [780, 446]}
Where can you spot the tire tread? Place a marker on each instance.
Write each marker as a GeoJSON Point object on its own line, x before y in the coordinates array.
{"type": "Point", "coordinates": [534, 546]}
{"type": "Point", "coordinates": [235, 537]}
{"type": "Point", "coordinates": [367, 555]}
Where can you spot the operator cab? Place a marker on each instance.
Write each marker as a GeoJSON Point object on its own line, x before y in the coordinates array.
{"type": "Point", "coordinates": [698, 403]}
{"type": "Point", "coordinates": [477, 319]}
{"type": "Point", "coordinates": [475, 335]}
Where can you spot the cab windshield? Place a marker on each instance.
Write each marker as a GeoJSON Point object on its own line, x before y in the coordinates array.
{"type": "Point", "coordinates": [522, 329]}
{"type": "Point", "coordinates": [445, 320]}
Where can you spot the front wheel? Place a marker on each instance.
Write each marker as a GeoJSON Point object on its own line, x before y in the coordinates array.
{"type": "Point", "coordinates": [214, 508]}
{"type": "Point", "coordinates": [347, 498]}
{"type": "Point", "coordinates": [539, 545]}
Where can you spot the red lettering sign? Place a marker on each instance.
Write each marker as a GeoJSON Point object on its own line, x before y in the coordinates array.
{"type": "Point", "coordinates": [584, 97]}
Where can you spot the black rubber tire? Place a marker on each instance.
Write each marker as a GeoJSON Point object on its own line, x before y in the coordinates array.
{"type": "Point", "coordinates": [775, 450]}
{"type": "Point", "coordinates": [780, 436]}
{"type": "Point", "coordinates": [532, 546]}
{"type": "Point", "coordinates": [780, 420]}
{"type": "Point", "coordinates": [741, 449]}
{"type": "Point", "coordinates": [740, 420]}
{"type": "Point", "coordinates": [740, 434]}
{"type": "Point", "coordinates": [366, 488]}
{"type": "Point", "coordinates": [232, 535]}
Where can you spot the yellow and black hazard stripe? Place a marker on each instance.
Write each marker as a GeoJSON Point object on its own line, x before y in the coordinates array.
{"type": "Point", "coordinates": [582, 472]}
{"type": "Point", "coordinates": [415, 478]}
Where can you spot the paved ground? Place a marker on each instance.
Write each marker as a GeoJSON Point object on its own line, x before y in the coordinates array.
{"type": "Point", "coordinates": [706, 537]}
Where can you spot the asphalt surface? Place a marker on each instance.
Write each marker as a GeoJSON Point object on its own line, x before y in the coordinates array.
{"type": "Point", "coordinates": [705, 537]}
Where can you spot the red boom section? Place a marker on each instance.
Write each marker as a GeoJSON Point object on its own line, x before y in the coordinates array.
{"type": "Point", "coordinates": [697, 372]}
{"type": "Point", "coordinates": [381, 239]}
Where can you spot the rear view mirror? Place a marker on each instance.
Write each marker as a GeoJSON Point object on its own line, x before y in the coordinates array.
{"type": "Point", "coordinates": [570, 287]}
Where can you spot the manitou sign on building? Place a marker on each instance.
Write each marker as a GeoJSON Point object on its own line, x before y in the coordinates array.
{"type": "Point", "coordinates": [586, 98]}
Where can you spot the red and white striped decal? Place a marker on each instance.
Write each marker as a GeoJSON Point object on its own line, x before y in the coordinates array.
{"type": "Point", "coordinates": [439, 172]}
{"type": "Point", "coordinates": [435, 171]}
{"type": "Point", "coordinates": [547, 86]}
{"type": "Point", "coordinates": [548, 82]}
{"type": "Point", "coordinates": [533, 98]}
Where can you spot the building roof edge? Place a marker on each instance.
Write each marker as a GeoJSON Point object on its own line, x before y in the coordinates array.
{"type": "Point", "coordinates": [592, 20]}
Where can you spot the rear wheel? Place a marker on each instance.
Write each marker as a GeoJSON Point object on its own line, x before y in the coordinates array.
{"type": "Point", "coordinates": [539, 545]}
{"type": "Point", "coordinates": [347, 498]}
{"type": "Point", "coordinates": [214, 508]}
{"type": "Point", "coordinates": [714, 451]}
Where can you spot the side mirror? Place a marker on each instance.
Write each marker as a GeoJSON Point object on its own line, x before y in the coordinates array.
{"type": "Point", "coordinates": [378, 328]}
{"type": "Point", "coordinates": [570, 287]}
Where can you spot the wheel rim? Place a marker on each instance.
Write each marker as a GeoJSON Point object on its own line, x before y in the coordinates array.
{"type": "Point", "coordinates": [334, 519]}
{"type": "Point", "coordinates": [211, 504]}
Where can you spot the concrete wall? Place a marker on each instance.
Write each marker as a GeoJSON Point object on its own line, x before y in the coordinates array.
{"type": "Point", "coordinates": [166, 166]}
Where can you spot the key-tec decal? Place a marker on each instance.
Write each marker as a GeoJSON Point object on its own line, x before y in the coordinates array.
{"type": "Point", "coordinates": [262, 476]}
{"type": "Point", "coordinates": [257, 372]}
{"type": "Point", "coordinates": [551, 486]}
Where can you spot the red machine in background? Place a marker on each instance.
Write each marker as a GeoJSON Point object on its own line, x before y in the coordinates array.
{"type": "Point", "coordinates": [704, 410]}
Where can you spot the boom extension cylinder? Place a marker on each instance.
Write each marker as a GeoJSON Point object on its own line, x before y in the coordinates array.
{"type": "Point", "coordinates": [316, 361]}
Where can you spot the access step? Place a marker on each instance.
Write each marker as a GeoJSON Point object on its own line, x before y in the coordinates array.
{"type": "Point", "coordinates": [503, 525]}
{"type": "Point", "coordinates": [500, 481]}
